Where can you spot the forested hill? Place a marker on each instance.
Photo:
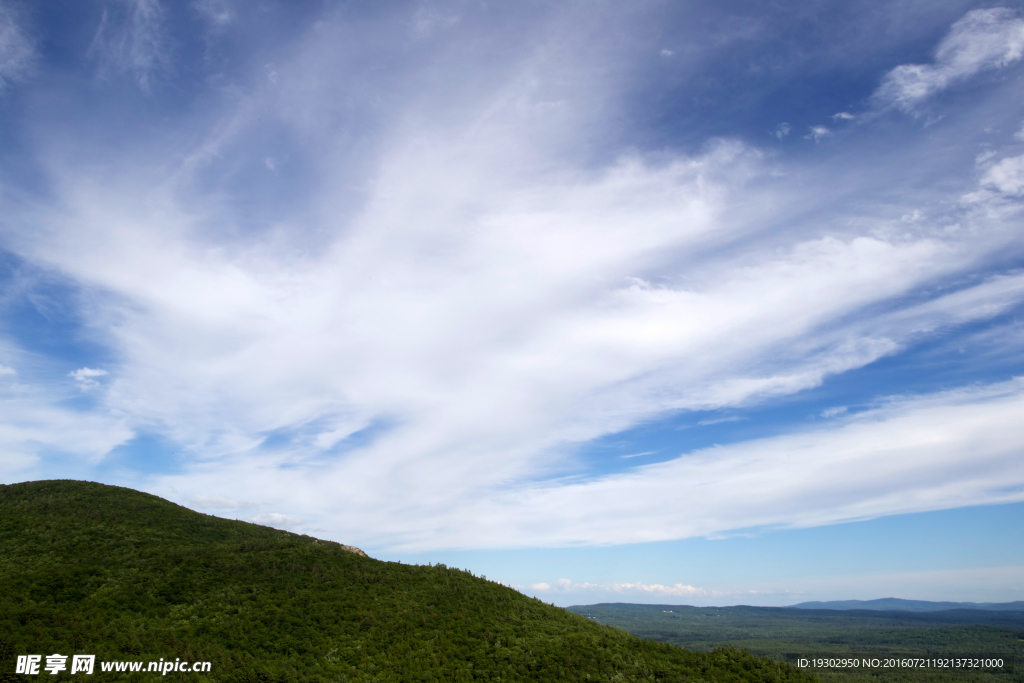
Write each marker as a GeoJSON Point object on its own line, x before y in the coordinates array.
{"type": "Point", "coordinates": [93, 569]}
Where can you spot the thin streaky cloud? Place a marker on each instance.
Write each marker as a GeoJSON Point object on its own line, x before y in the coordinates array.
{"type": "Point", "coordinates": [638, 455]}
{"type": "Point", "coordinates": [833, 412]}
{"type": "Point", "coordinates": [130, 39]}
{"type": "Point", "coordinates": [217, 13]}
{"type": "Point", "coordinates": [17, 48]}
{"type": "Point", "coordinates": [913, 444]}
{"type": "Point", "coordinates": [721, 420]}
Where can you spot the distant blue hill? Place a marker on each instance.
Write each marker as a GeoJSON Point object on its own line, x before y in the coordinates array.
{"type": "Point", "coordinates": [911, 605]}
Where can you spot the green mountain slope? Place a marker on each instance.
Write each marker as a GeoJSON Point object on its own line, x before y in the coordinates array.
{"type": "Point", "coordinates": [93, 569]}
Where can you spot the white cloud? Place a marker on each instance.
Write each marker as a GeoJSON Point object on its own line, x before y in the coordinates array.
{"type": "Point", "coordinates": [675, 590]}
{"type": "Point", "coordinates": [83, 374]}
{"type": "Point", "coordinates": [1007, 176]}
{"type": "Point", "coordinates": [782, 130]}
{"type": "Point", "coordinates": [277, 520]}
{"type": "Point", "coordinates": [130, 39]}
{"type": "Point", "coordinates": [634, 589]}
{"type": "Point", "coordinates": [86, 377]}
{"type": "Point", "coordinates": [817, 133]}
{"type": "Point", "coordinates": [487, 298]}
{"type": "Point", "coordinates": [33, 429]}
{"type": "Point", "coordinates": [720, 420]}
{"type": "Point", "coordinates": [430, 19]}
{"type": "Point", "coordinates": [5, 370]}
{"type": "Point", "coordinates": [984, 300]}
{"type": "Point", "coordinates": [16, 48]}
{"type": "Point", "coordinates": [217, 13]}
{"type": "Point", "coordinates": [983, 39]}
{"type": "Point", "coordinates": [218, 503]}
{"type": "Point", "coordinates": [489, 340]}
{"type": "Point", "coordinates": [1000, 181]}
{"type": "Point", "coordinates": [910, 455]}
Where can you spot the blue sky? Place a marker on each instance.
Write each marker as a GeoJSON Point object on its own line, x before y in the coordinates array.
{"type": "Point", "coordinates": [705, 303]}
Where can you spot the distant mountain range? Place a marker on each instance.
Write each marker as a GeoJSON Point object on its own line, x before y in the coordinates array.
{"type": "Point", "coordinates": [911, 605]}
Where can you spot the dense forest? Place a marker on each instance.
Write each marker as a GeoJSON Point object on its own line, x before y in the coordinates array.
{"type": "Point", "coordinates": [94, 569]}
{"type": "Point", "coordinates": [786, 633]}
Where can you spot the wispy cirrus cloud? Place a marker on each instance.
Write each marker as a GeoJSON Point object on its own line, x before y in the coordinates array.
{"type": "Point", "coordinates": [447, 280]}
{"type": "Point", "coordinates": [17, 49]}
{"type": "Point", "coordinates": [855, 470]}
{"type": "Point", "coordinates": [130, 39]}
{"type": "Point", "coordinates": [33, 429]}
{"type": "Point", "coordinates": [217, 13]}
{"type": "Point", "coordinates": [638, 455]}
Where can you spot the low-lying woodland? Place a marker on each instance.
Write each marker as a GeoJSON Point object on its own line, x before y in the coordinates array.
{"type": "Point", "coordinates": [783, 633]}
